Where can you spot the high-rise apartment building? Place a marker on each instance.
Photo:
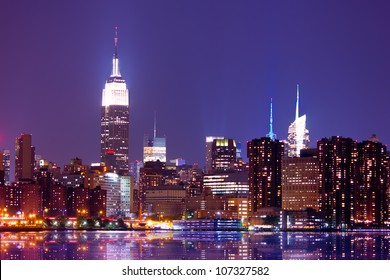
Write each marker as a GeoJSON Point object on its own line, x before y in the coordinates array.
{"type": "Point", "coordinates": [337, 158]}
{"type": "Point", "coordinates": [298, 135]}
{"type": "Point", "coordinates": [24, 158]}
{"type": "Point", "coordinates": [114, 141]}
{"type": "Point", "coordinates": [265, 173]}
{"type": "Point", "coordinates": [370, 193]}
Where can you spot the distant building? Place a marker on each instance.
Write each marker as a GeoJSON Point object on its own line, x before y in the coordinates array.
{"type": "Point", "coordinates": [135, 167]}
{"type": "Point", "coordinates": [2, 173]}
{"type": "Point", "coordinates": [209, 143]}
{"type": "Point", "coordinates": [265, 173]}
{"type": "Point", "coordinates": [234, 184]}
{"type": "Point", "coordinates": [298, 135]}
{"type": "Point", "coordinates": [127, 185]}
{"type": "Point", "coordinates": [24, 157]}
{"type": "Point", "coordinates": [371, 202]}
{"type": "Point", "coordinates": [300, 183]}
{"type": "Point", "coordinates": [223, 154]}
{"type": "Point", "coordinates": [111, 184]}
{"type": "Point", "coordinates": [31, 200]}
{"type": "Point", "coordinates": [165, 201]}
{"type": "Point", "coordinates": [76, 166]}
{"type": "Point", "coordinates": [155, 149]}
{"type": "Point", "coordinates": [57, 201]}
{"type": "Point", "coordinates": [115, 117]}
{"type": "Point", "coordinates": [6, 162]}
{"type": "Point", "coordinates": [337, 165]}
{"type": "Point", "coordinates": [98, 200]}
{"type": "Point", "coordinates": [13, 198]}
{"type": "Point", "coordinates": [78, 201]}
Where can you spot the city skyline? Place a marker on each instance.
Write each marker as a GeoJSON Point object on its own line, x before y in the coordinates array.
{"type": "Point", "coordinates": [204, 76]}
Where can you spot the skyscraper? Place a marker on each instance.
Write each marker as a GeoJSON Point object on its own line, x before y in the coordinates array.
{"type": "Point", "coordinates": [209, 144]}
{"type": "Point", "coordinates": [370, 206]}
{"type": "Point", "coordinates": [300, 186]}
{"type": "Point", "coordinates": [337, 157]}
{"type": "Point", "coordinates": [298, 135]}
{"type": "Point", "coordinates": [7, 167]}
{"type": "Point", "coordinates": [24, 157]}
{"type": "Point", "coordinates": [155, 148]}
{"type": "Point", "coordinates": [265, 173]}
{"type": "Point", "coordinates": [115, 117]}
{"type": "Point", "coordinates": [223, 154]}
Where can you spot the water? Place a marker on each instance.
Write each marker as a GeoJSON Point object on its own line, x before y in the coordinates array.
{"type": "Point", "coordinates": [149, 245]}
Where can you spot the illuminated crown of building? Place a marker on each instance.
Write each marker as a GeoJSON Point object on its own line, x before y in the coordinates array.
{"type": "Point", "coordinates": [298, 135]}
{"type": "Point", "coordinates": [115, 91]}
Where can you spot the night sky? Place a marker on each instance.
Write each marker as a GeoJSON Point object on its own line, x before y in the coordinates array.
{"type": "Point", "coordinates": [205, 67]}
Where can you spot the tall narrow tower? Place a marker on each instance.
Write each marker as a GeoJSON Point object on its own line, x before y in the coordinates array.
{"type": "Point", "coordinates": [298, 135]}
{"type": "Point", "coordinates": [114, 139]}
{"type": "Point", "coordinates": [271, 133]}
{"type": "Point", "coordinates": [24, 157]}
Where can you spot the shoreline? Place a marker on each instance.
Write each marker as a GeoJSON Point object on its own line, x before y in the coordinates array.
{"type": "Point", "coordinates": [13, 229]}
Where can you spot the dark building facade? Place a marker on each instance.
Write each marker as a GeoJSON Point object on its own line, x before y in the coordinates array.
{"type": "Point", "coordinates": [265, 173]}
{"type": "Point", "coordinates": [223, 154]}
{"type": "Point", "coordinates": [337, 158]}
{"type": "Point", "coordinates": [370, 207]}
{"type": "Point", "coordinates": [97, 202]}
{"type": "Point", "coordinates": [24, 157]}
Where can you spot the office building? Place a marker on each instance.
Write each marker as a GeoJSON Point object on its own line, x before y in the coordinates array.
{"type": "Point", "coordinates": [111, 184]}
{"type": "Point", "coordinates": [298, 135]}
{"type": "Point", "coordinates": [126, 185]}
{"type": "Point", "coordinates": [223, 154]}
{"type": "Point", "coordinates": [155, 148]}
{"type": "Point", "coordinates": [24, 158]}
{"type": "Point", "coordinates": [209, 143]}
{"type": "Point", "coordinates": [233, 184]}
{"type": "Point", "coordinates": [300, 182]}
{"type": "Point", "coordinates": [115, 117]}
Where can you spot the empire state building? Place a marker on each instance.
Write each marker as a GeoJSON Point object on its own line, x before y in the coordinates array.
{"type": "Point", "coordinates": [114, 139]}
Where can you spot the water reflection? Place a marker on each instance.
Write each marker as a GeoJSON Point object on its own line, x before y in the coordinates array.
{"type": "Point", "coordinates": [140, 245]}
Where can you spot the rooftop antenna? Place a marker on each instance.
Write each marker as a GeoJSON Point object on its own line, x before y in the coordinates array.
{"type": "Point", "coordinates": [271, 133]}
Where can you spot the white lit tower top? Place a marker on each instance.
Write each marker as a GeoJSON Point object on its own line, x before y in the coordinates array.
{"type": "Point", "coordinates": [298, 135]}
{"type": "Point", "coordinates": [114, 141]}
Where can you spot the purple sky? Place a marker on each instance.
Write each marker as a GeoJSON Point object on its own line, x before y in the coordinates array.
{"type": "Point", "coordinates": [206, 67]}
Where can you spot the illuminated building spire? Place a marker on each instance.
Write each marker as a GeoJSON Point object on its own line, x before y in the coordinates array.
{"type": "Point", "coordinates": [271, 133]}
{"type": "Point", "coordinates": [115, 60]}
{"type": "Point", "coordinates": [297, 106]}
{"type": "Point", "coordinates": [154, 128]}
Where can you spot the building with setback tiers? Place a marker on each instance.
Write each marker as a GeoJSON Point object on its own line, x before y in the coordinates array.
{"type": "Point", "coordinates": [114, 138]}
